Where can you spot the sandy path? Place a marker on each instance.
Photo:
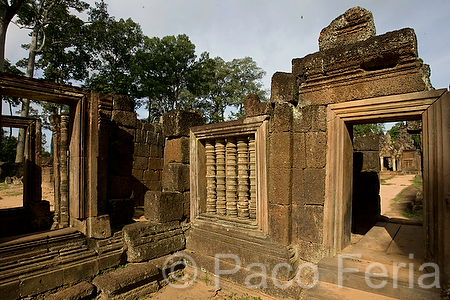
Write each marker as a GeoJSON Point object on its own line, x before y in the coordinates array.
{"type": "Point", "coordinates": [389, 190]}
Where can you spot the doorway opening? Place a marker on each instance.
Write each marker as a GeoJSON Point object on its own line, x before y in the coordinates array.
{"type": "Point", "coordinates": [387, 174]}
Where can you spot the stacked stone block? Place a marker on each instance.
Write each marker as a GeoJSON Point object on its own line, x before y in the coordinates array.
{"type": "Point", "coordinates": [172, 203]}
{"type": "Point", "coordinates": [120, 158]}
{"type": "Point", "coordinates": [297, 158]}
{"type": "Point", "coordinates": [147, 159]}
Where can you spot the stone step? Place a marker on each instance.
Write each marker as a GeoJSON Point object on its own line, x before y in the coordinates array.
{"type": "Point", "coordinates": [395, 282]}
{"type": "Point", "coordinates": [328, 291]}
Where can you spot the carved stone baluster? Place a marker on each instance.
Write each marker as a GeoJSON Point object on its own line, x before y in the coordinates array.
{"type": "Point", "coordinates": [210, 177]}
{"type": "Point", "coordinates": [231, 177]}
{"type": "Point", "coordinates": [243, 180]}
{"type": "Point", "coordinates": [252, 154]}
{"type": "Point", "coordinates": [221, 204]}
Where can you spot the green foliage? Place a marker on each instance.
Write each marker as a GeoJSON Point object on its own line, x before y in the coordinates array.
{"type": "Point", "coordinates": [169, 74]}
{"type": "Point", "coordinates": [8, 148]}
{"type": "Point", "coordinates": [394, 130]}
{"type": "Point", "coordinates": [368, 128]}
{"type": "Point", "coordinates": [113, 45]}
{"type": "Point", "coordinates": [12, 101]}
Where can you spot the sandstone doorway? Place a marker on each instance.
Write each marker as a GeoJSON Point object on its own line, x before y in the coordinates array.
{"type": "Point", "coordinates": [433, 108]}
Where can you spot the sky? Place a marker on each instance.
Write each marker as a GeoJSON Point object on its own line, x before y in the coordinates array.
{"type": "Point", "coordinates": [275, 32]}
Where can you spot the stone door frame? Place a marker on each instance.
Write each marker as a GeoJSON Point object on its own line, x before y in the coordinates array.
{"type": "Point", "coordinates": [339, 165]}
{"type": "Point", "coordinates": [88, 115]}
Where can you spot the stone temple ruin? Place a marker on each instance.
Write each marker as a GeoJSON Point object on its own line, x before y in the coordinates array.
{"type": "Point", "coordinates": [275, 188]}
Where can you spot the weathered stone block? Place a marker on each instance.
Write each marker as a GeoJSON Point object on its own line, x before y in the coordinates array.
{"type": "Point", "coordinates": [163, 207]}
{"type": "Point", "coordinates": [122, 102]}
{"type": "Point", "coordinates": [137, 174]}
{"type": "Point", "coordinates": [367, 142]}
{"type": "Point", "coordinates": [119, 187]}
{"type": "Point", "coordinates": [279, 223]}
{"type": "Point", "coordinates": [121, 211]}
{"type": "Point", "coordinates": [187, 205]}
{"type": "Point", "coordinates": [310, 118]}
{"type": "Point", "coordinates": [153, 185]}
{"type": "Point", "coordinates": [280, 150]}
{"type": "Point", "coordinates": [254, 107]}
{"type": "Point", "coordinates": [140, 163]}
{"type": "Point", "coordinates": [316, 149]}
{"type": "Point", "coordinates": [177, 123]}
{"type": "Point", "coordinates": [156, 151]}
{"type": "Point", "coordinates": [283, 88]}
{"type": "Point", "coordinates": [298, 186]}
{"type": "Point", "coordinates": [177, 150]}
{"type": "Point", "coordinates": [310, 251]}
{"type": "Point", "coordinates": [82, 270]}
{"type": "Point", "coordinates": [155, 163]}
{"type": "Point", "coordinates": [355, 25]}
{"type": "Point", "coordinates": [366, 161]}
{"type": "Point", "coordinates": [152, 175]}
{"type": "Point", "coordinates": [99, 227]}
{"type": "Point", "coordinates": [307, 222]}
{"type": "Point", "coordinates": [146, 240]}
{"type": "Point", "coordinates": [314, 186]}
{"type": "Point", "coordinates": [279, 186]}
{"type": "Point", "coordinates": [122, 133]}
{"type": "Point", "coordinates": [32, 285]}
{"type": "Point", "coordinates": [298, 151]}
{"type": "Point", "coordinates": [175, 177]}
{"type": "Point", "coordinates": [282, 117]}
{"type": "Point", "coordinates": [122, 280]}
{"type": "Point", "coordinates": [10, 290]}
{"type": "Point", "coordinates": [124, 118]}
{"type": "Point", "coordinates": [141, 150]}
{"type": "Point", "coordinates": [82, 290]}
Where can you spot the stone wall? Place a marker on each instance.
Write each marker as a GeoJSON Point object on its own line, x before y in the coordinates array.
{"type": "Point", "coordinates": [147, 159]}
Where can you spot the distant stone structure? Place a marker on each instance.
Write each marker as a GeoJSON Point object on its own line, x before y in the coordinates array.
{"type": "Point", "coordinates": [401, 155]}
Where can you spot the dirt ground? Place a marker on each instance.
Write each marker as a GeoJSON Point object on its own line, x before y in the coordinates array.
{"type": "Point", "coordinates": [396, 193]}
{"type": "Point", "coordinates": [11, 195]}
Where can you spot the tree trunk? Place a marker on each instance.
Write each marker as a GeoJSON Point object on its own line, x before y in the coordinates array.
{"type": "Point", "coordinates": [26, 102]}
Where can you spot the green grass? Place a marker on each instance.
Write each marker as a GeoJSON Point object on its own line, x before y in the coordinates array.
{"type": "Point", "coordinates": [383, 182]}
{"type": "Point", "coordinates": [417, 182]}
{"type": "Point", "coordinates": [245, 296]}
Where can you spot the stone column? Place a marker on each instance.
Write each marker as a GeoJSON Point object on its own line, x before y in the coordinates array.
{"type": "Point", "coordinates": [221, 203]}
{"type": "Point", "coordinates": [252, 177]}
{"type": "Point", "coordinates": [54, 121]}
{"type": "Point", "coordinates": [382, 163]}
{"type": "Point", "coordinates": [243, 180]}
{"type": "Point", "coordinates": [231, 177]}
{"type": "Point", "coordinates": [210, 177]}
{"type": "Point", "coordinates": [63, 171]}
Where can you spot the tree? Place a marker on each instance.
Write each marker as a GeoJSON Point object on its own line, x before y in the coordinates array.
{"type": "Point", "coordinates": [169, 74]}
{"type": "Point", "coordinates": [36, 15]}
{"type": "Point", "coordinates": [8, 9]}
{"type": "Point", "coordinates": [8, 147]}
{"type": "Point", "coordinates": [393, 132]}
{"type": "Point", "coordinates": [113, 45]}
{"type": "Point", "coordinates": [233, 81]}
{"type": "Point", "coordinates": [368, 128]}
